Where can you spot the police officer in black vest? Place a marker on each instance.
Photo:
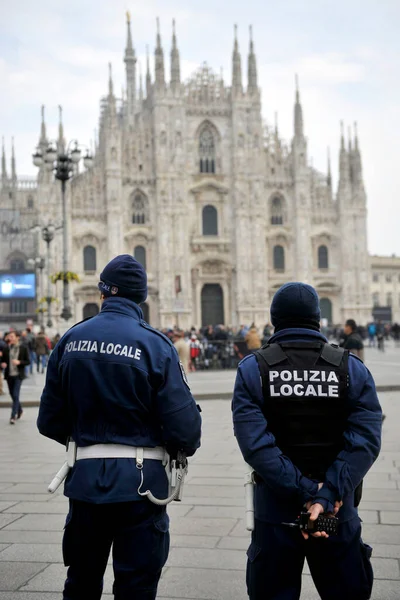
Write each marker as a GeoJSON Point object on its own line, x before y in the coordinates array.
{"type": "Point", "coordinates": [308, 421]}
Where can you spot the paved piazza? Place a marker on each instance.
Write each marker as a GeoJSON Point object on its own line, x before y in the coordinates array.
{"type": "Point", "coordinates": [208, 538]}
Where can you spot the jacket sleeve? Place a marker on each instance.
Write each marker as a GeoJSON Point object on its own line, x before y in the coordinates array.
{"type": "Point", "coordinates": [362, 438]}
{"type": "Point", "coordinates": [257, 444]}
{"type": "Point", "coordinates": [178, 413]}
{"type": "Point", "coordinates": [52, 420]}
{"type": "Point", "coordinates": [23, 357]}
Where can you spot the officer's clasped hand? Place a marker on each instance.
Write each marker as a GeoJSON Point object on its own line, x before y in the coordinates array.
{"type": "Point", "coordinates": [315, 510]}
{"type": "Point", "coordinates": [323, 525]}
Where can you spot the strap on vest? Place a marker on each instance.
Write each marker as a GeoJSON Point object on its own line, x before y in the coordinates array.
{"type": "Point", "coordinates": [272, 354]}
{"type": "Point", "coordinates": [332, 354]}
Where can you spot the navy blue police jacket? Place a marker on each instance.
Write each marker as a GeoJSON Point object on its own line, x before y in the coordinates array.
{"type": "Point", "coordinates": [113, 379]}
{"type": "Point", "coordinates": [283, 490]}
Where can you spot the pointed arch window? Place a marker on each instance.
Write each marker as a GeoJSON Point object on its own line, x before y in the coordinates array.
{"type": "Point", "coordinates": [139, 253]}
{"type": "Point", "coordinates": [207, 151]}
{"type": "Point", "coordinates": [210, 220]}
{"type": "Point", "coordinates": [276, 211]}
{"type": "Point", "coordinates": [140, 213]}
{"type": "Point", "coordinates": [89, 258]}
{"type": "Point", "coordinates": [323, 257]}
{"type": "Point", "coordinates": [279, 258]}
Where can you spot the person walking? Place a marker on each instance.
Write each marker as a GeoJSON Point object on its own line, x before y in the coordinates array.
{"type": "Point", "coordinates": [396, 334]}
{"type": "Point", "coordinates": [352, 340]}
{"type": "Point", "coordinates": [372, 334]}
{"type": "Point", "coordinates": [308, 421]}
{"type": "Point", "coordinates": [41, 351]}
{"type": "Point", "coordinates": [14, 360]}
{"type": "Point", "coordinates": [380, 336]}
{"type": "Point", "coordinates": [115, 386]}
{"type": "Point", "coordinates": [3, 346]}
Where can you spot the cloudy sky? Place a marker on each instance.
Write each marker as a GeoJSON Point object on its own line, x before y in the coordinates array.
{"type": "Point", "coordinates": [346, 53]}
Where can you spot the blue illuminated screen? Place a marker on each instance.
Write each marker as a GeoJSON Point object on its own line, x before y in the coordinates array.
{"type": "Point", "coordinates": [17, 285]}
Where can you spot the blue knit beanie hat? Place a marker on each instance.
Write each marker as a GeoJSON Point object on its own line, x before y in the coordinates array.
{"type": "Point", "coordinates": [295, 304]}
{"type": "Point", "coordinates": [124, 276]}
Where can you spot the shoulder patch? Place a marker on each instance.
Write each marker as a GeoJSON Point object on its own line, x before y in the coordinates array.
{"type": "Point", "coordinates": [184, 376]}
{"type": "Point", "coordinates": [149, 328]}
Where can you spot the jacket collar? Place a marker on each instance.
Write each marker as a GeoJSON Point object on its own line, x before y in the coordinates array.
{"type": "Point", "coordinates": [295, 335]}
{"type": "Point", "coordinates": [122, 306]}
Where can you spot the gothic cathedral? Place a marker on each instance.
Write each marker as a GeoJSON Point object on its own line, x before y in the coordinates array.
{"type": "Point", "coordinates": [219, 210]}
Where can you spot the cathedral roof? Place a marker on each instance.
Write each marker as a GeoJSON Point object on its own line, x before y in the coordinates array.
{"type": "Point", "coordinates": [205, 85]}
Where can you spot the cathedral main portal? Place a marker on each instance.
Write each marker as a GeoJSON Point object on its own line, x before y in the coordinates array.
{"type": "Point", "coordinates": [212, 304]}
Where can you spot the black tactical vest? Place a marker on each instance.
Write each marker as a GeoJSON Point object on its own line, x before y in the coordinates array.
{"type": "Point", "coordinates": [305, 392]}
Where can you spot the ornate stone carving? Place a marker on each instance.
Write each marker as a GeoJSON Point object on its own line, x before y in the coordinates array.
{"type": "Point", "coordinates": [212, 267]}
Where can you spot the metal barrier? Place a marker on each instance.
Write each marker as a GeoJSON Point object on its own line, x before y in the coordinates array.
{"type": "Point", "coordinates": [220, 354]}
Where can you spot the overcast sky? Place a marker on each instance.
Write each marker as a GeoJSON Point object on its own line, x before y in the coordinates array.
{"type": "Point", "coordinates": [346, 53]}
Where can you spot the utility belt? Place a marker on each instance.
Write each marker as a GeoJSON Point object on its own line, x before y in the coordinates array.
{"type": "Point", "coordinates": [176, 468]}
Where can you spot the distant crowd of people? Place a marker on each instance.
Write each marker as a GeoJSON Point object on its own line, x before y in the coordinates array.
{"type": "Point", "coordinates": [222, 347]}
{"type": "Point", "coordinates": [216, 346]}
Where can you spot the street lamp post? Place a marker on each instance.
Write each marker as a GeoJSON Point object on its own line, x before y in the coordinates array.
{"type": "Point", "coordinates": [62, 163]}
{"type": "Point", "coordinates": [48, 236]}
{"type": "Point", "coordinates": [38, 264]}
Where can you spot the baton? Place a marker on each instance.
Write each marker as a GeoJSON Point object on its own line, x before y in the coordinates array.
{"type": "Point", "coordinates": [59, 478]}
{"type": "Point", "coordinates": [249, 499]}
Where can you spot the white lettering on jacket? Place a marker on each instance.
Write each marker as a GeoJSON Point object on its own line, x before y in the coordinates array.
{"type": "Point", "coordinates": [105, 348]}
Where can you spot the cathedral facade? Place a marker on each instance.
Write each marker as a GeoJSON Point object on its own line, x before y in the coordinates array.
{"type": "Point", "coordinates": [220, 211]}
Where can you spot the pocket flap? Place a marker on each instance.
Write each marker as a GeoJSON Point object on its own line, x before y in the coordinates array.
{"type": "Point", "coordinates": [161, 522]}
{"type": "Point", "coordinates": [253, 552]}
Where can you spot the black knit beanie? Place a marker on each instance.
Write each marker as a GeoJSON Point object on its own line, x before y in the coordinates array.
{"type": "Point", "coordinates": [124, 276]}
{"type": "Point", "coordinates": [295, 305]}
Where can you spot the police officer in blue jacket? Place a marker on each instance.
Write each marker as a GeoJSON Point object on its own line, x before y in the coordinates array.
{"type": "Point", "coordinates": [308, 421]}
{"type": "Point", "coordinates": [115, 385]}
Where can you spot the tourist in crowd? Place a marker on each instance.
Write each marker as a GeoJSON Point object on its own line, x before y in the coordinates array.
{"type": "Point", "coordinates": [352, 340]}
{"type": "Point", "coordinates": [371, 334]}
{"type": "Point", "coordinates": [380, 336]}
{"type": "Point", "coordinates": [182, 348]}
{"type": "Point", "coordinates": [15, 357]}
{"type": "Point", "coordinates": [266, 333]}
{"type": "Point", "coordinates": [42, 350]}
{"type": "Point", "coordinates": [55, 340]}
{"type": "Point", "coordinates": [3, 347]}
{"type": "Point", "coordinates": [396, 333]}
{"type": "Point", "coordinates": [242, 331]}
{"type": "Point", "coordinates": [252, 338]}
{"type": "Point", "coordinates": [195, 351]}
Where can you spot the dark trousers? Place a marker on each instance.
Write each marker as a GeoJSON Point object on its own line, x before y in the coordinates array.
{"type": "Point", "coordinates": [41, 359]}
{"type": "Point", "coordinates": [14, 386]}
{"type": "Point", "coordinates": [340, 565]}
{"type": "Point", "coordinates": [139, 535]}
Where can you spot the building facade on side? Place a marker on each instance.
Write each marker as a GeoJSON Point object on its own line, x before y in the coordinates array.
{"type": "Point", "coordinates": [385, 288]}
{"type": "Point", "coordinates": [189, 180]}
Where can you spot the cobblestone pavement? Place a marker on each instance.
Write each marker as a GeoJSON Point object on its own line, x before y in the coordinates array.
{"type": "Point", "coordinates": [208, 537]}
